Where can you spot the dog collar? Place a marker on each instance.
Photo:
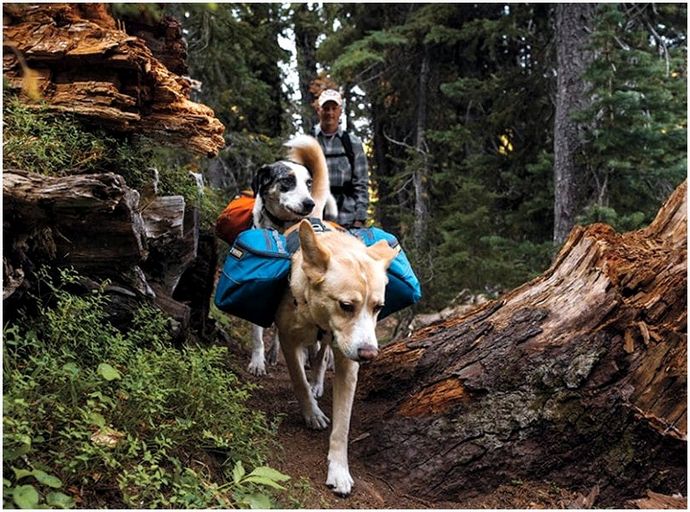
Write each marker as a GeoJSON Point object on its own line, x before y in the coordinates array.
{"type": "Point", "coordinates": [275, 220]}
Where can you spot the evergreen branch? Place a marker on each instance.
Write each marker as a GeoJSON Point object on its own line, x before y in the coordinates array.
{"type": "Point", "coordinates": [421, 151]}
{"type": "Point", "coordinates": [402, 187]}
{"type": "Point", "coordinates": [663, 45]}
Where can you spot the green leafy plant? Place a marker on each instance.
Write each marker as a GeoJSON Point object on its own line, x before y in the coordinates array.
{"type": "Point", "coordinates": [244, 486]}
{"type": "Point", "coordinates": [88, 407]}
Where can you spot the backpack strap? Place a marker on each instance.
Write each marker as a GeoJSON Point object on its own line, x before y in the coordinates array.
{"type": "Point", "coordinates": [349, 152]}
{"type": "Point", "coordinates": [347, 146]}
{"type": "Point", "coordinates": [319, 226]}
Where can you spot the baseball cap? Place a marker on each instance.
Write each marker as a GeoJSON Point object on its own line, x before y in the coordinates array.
{"type": "Point", "coordinates": [330, 95]}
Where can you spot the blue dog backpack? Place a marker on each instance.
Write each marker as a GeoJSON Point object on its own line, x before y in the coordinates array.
{"type": "Point", "coordinates": [256, 270]}
{"type": "Point", "coordinates": [403, 288]}
{"type": "Point", "coordinates": [254, 276]}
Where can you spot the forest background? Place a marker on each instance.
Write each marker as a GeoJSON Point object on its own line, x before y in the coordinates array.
{"type": "Point", "coordinates": [461, 103]}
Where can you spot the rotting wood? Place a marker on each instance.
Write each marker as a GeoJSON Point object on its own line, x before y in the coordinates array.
{"type": "Point", "coordinates": [658, 501]}
{"type": "Point", "coordinates": [173, 233]}
{"type": "Point", "coordinates": [578, 376]}
{"type": "Point", "coordinates": [85, 65]}
{"type": "Point", "coordinates": [94, 218]}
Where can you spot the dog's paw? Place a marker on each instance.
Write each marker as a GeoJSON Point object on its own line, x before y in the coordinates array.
{"type": "Point", "coordinates": [272, 357]}
{"type": "Point", "coordinates": [339, 479]}
{"type": "Point", "coordinates": [317, 390]}
{"type": "Point", "coordinates": [317, 420]}
{"type": "Point", "coordinates": [257, 368]}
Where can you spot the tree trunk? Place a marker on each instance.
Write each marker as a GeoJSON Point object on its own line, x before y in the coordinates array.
{"type": "Point", "coordinates": [578, 377]}
{"type": "Point", "coordinates": [573, 25]}
{"type": "Point", "coordinates": [420, 176]}
{"type": "Point", "coordinates": [307, 29]}
{"type": "Point", "coordinates": [381, 171]}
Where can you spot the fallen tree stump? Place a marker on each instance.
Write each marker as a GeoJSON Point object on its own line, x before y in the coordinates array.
{"type": "Point", "coordinates": [93, 218]}
{"type": "Point", "coordinates": [173, 234]}
{"type": "Point", "coordinates": [83, 64]}
{"type": "Point", "coordinates": [96, 224]}
{"type": "Point", "coordinates": [577, 377]}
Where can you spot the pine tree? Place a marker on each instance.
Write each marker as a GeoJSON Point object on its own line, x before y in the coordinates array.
{"type": "Point", "coordinates": [635, 152]}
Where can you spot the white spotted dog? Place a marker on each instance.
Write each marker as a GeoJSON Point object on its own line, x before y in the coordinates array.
{"type": "Point", "coordinates": [286, 192]}
{"type": "Point", "coordinates": [337, 286]}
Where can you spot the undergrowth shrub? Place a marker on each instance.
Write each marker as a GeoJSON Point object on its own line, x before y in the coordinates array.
{"type": "Point", "coordinates": [95, 417]}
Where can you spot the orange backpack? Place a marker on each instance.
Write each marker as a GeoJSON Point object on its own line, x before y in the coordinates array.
{"type": "Point", "coordinates": [236, 217]}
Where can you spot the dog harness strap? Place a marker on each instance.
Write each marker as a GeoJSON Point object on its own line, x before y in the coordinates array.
{"type": "Point", "coordinates": [292, 238]}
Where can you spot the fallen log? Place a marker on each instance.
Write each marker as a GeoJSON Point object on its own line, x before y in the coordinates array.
{"type": "Point", "coordinates": [81, 63]}
{"type": "Point", "coordinates": [93, 218]}
{"type": "Point", "coordinates": [577, 377]}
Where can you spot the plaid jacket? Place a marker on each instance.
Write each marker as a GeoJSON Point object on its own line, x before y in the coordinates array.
{"type": "Point", "coordinates": [350, 187]}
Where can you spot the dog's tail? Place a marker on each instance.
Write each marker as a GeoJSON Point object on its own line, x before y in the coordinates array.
{"type": "Point", "coordinates": [307, 151]}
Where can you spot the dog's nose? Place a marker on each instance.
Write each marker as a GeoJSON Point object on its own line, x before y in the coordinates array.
{"type": "Point", "coordinates": [308, 205]}
{"type": "Point", "coordinates": [367, 353]}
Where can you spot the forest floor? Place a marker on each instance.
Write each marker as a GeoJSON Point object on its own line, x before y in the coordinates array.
{"type": "Point", "coordinates": [301, 453]}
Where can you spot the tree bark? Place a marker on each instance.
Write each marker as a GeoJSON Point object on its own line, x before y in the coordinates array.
{"type": "Point", "coordinates": [172, 233]}
{"type": "Point", "coordinates": [86, 66]}
{"type": "Point", "coordinates": [578, 377]}
{"type": "Point", "coordinates": [420, 176]}
{"type": "Point", "coordinates": [93, 218]}
{"type": "Point", "coordinates": [195, 288]}
{"type": "Point", "coordinates": [573, 25]}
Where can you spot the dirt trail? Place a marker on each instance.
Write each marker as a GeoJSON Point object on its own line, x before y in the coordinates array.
{"type": "Point", "coordinates": [302, 455]}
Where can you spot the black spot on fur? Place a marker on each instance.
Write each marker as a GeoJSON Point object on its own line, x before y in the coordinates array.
{"type": "Point", "coordinates": [287, 183]}
{"type": "Point", "coordinates": [261, 179]}
{"type": "Point", "coordinates": [276, 173]}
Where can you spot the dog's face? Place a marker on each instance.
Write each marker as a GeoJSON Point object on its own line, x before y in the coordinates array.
{"type": "Point", "coordinates": [344, 284]}
{"type": "Point", "coordinates": [285, 189]}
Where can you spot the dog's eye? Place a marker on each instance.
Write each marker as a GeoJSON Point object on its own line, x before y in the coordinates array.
{"type": "Point", "coordinates": [378, 308]}
{"type": "Point", "coordinates": [348, 307]}
{"type": "Point", "coordinates": [287, 183]}
{"type": "Point", "coordinates": [309, 182]}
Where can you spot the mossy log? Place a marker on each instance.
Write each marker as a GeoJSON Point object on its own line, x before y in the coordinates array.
{"type": "Point", "coordinates": [75, 58]}
{"type": "Point", "coordinates": [577, 377]}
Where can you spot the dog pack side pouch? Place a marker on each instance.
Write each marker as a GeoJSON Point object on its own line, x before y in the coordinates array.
{"type": "Point", "coordinates": [403, 288]}
{"type": "Point", "coordinates": [236, 217]}
{"type": "Point", "coordinates": [254, 276]}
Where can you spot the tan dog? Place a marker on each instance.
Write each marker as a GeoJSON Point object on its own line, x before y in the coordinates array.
{"type": "Point", "coordinates": [337, 285]}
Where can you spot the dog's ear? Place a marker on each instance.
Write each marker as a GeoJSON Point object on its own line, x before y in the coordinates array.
{"type": "Point", "coordinates": [261, 178]}
{"type": "Point", "coordinates": [381, 251]}
{"type": "Point", "coordinates": [315, 257]}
